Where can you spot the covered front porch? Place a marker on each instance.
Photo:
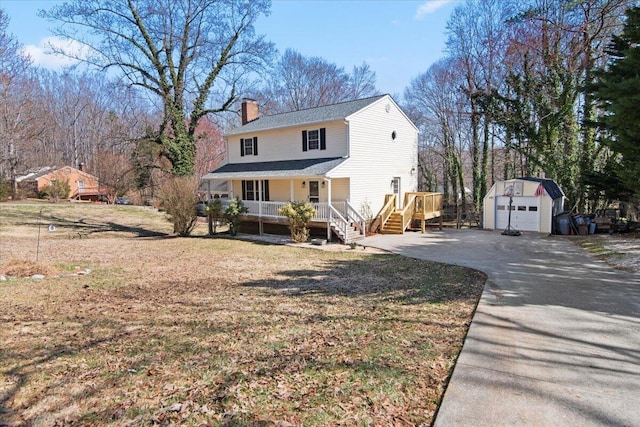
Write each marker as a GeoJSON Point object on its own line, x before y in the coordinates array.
{"type": "Point", "coordinates": [267, 186]}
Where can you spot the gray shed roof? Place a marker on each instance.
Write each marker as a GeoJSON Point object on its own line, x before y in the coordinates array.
{"type": "Point", "coordinates": [278, 169]}
{"type": "Point", "coordinates": [311, 115]}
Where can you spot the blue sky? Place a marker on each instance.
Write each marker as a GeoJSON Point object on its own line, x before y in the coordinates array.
{"type": "Point", "coordinates": [398, 39]}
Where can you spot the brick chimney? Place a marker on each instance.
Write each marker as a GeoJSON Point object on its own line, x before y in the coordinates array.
{"type": "Point", "coordinates": [250, 110]}
{"type": "Point", "coordinates": [82, 167]}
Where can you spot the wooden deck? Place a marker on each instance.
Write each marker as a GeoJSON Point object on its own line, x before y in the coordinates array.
{"type": "Point", "coordinates": [418, 206]}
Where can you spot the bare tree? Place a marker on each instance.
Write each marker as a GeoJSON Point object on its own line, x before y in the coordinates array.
{"type": "Point", "coordinates": [439, 109]}
{"type": "Point", "coordinates": [16, 104]}
{"type": "Point", "coordinates": [477, 39]}
{"type": "Point", "coordinates": [300, 82]}
{"type": "Point", "coordinates": [190, 54]}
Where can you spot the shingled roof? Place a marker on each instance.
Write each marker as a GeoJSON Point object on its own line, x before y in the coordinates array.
{"type": "Point", "coordinates": [551, 187]}
{"type": "Point", "coordinates": [283, 168]}
{"type": "Point", "coordinates": [308, 116]}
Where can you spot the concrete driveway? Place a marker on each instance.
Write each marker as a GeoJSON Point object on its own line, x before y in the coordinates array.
{"type": "Point", "coordinates": [555, 339]}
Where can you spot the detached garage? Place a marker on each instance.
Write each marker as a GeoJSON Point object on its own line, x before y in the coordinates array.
{"type": "Point", "coordinates": [535, 202]}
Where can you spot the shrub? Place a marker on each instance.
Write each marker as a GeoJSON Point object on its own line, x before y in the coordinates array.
{"type": "Point", "coordinates": [232, 215]}
{"type": "Point", "coordinates": [5, 190]}
{"type": "Point", "coordinates": [214, 214]}
{"type": "Point", "coordinates": [299, 214]}
{"type": "Point", "coordinates": [178, 198]}
{"type": "Point", "coordinates": [59, 189]}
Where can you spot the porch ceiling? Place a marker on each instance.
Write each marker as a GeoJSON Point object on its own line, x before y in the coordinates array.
{"type": "Point", "coordinates": [277, 169]}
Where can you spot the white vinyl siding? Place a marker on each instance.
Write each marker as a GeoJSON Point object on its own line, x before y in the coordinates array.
{"type": "Point", "coordinates": [340, 189]}
{"type": "Point", "coordinates": [376, 158]}
{"type": "Point", "coordinates": [286, 144]}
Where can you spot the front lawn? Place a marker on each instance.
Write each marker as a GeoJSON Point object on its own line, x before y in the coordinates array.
{"type": "Point", "coordinates": [195, 331]}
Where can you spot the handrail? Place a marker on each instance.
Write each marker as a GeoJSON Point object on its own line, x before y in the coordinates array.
{"type": "Point", "coordinates": [408, 210]}
{"type": "Point", "coordinates": [342, 224]}
{"type": "Point", "coordinates": [385, 212]}
{"type": "Point", "coordinates": [356, 216]}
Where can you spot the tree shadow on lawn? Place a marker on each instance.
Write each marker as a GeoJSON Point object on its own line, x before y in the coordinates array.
{"type": "Point", "coordinates": [381, 276]}
{"type": "Point", "coordinates": [81, 227]}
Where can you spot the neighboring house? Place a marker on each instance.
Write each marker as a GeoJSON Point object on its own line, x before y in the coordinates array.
{"type": "Point", "coordinates": [534, 204]}
{"type": "Point", "coordinates": [344, 158]}
{"type": "Point", "coordinates": [83, 186]}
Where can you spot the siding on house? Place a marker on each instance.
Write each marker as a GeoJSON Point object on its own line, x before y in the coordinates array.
{"type": "Point", "coordinates": [286, 144]}
{"type": "Point", "coordinates": [340, 190]}
{"type": "Point", "coordinates": [376, 158]}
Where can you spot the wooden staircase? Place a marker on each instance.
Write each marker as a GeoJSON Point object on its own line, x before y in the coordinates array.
{"type": "Point", "coordinates": [393, 225]}
{"type": "Point", "coordinates": [417, 206]}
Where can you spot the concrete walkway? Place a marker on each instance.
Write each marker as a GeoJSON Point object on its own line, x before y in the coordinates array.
{"type": "Point", "coordinates": [555, 339]}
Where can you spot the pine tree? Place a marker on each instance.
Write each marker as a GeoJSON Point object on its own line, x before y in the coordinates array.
{"type": "Point", "coordinates": [617, 90]}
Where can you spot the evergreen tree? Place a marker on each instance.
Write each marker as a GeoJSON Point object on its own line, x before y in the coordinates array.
{"type": "Point", "coordinates": [617, 89]}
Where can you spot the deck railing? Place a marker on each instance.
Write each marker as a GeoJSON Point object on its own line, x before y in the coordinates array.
{"type": "Point", "coordinates": [409, 209]}
{"type": "Point", "coordinates": [425, 203]}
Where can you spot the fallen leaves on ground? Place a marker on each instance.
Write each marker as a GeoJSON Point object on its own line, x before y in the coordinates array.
{"type": "Point", "coordinates": [170, 331]}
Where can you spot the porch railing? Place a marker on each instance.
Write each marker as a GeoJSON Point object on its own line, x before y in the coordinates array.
{"type": "Point", "coordinates": [270, 209]}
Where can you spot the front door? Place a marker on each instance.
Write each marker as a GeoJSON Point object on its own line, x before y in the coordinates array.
{"type": "Point", "coordinates": [314, 192]}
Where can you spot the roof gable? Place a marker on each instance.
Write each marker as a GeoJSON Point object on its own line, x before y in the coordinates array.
{"type": "Point", "coordinates": [325, 113]}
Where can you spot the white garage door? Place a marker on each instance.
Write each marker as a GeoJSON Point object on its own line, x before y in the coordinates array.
{"type": "Point", "coordinates": [525, 213]}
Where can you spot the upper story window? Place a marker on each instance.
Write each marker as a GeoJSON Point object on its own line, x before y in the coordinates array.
{"type": "Point", "coordinates": [249, 146]}
{"type": "Point", "coordinates": [314, 139]}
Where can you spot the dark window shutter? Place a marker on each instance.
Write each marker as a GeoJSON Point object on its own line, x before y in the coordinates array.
{"type": "Point", "coordinates": [265, 190]}
{"type": "Point", "coordinates": [244, 190]}
{"type": "Point", "coordinates": [304, 141]}
{"type": "Point", "coordinates": [241, 147]}
{"type": "Point", "coordinates": [323, 140]}
{"type": "Point", "coordinates": [255, 145]}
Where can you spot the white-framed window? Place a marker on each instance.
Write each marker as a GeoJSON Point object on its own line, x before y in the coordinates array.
{"type": "Point", "coordinates": [314, 139]}
{"type": "Point", "coordinates": [247, 145]}
{"type": "Point", "coordinates": [253, 190]}
{"type": "Point", "coordinates": [249, 190]}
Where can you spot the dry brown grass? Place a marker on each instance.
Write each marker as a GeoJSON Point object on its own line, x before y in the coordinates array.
{"type": "Point", "coordinates": [195, 331]}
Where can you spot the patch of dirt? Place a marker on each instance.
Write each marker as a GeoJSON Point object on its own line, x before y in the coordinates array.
{"type": "Point", "coordinates": [22, 268]}
{"type": "Point", "coordinates": [620, 250]}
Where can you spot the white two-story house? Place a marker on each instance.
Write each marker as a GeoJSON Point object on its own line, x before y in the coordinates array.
{"type": "Point", "coordinates": [344, 158]}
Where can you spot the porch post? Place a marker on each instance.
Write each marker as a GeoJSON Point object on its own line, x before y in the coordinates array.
{"type": "Point", "coordinates": [260, 187]}
{"type": "Point", "coordinates": [208, 189]}
{"type": "Point", "coordinates": [328, 209]}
